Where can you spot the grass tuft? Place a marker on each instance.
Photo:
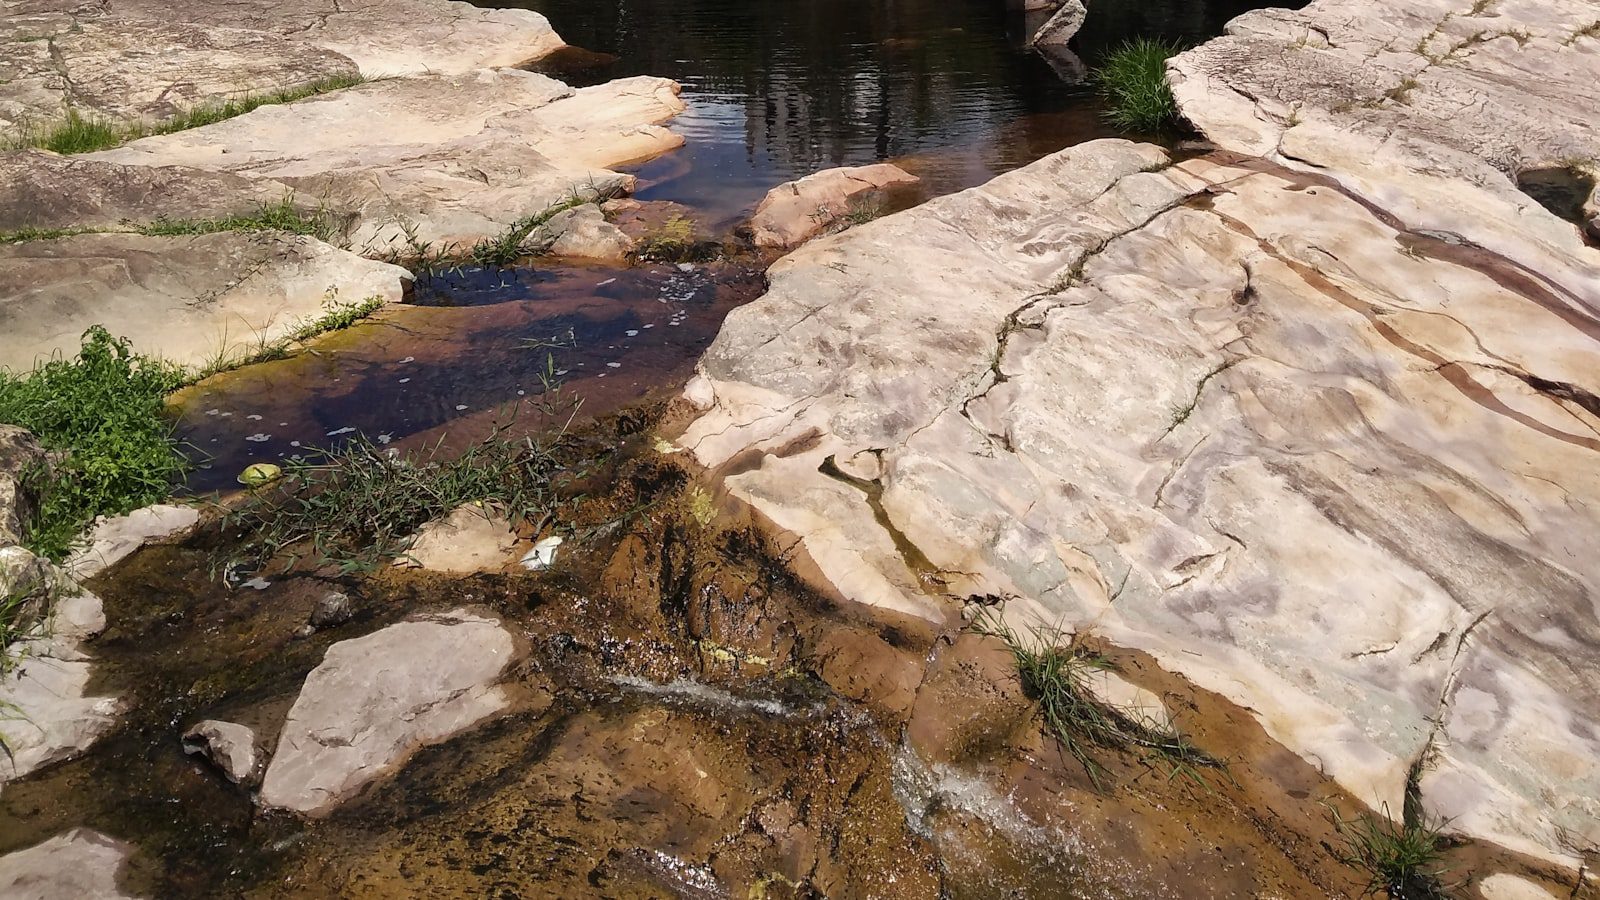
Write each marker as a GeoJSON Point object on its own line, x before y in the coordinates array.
{"type": "Point", "coordinates": [1133, 83]}
{"type": "Point", "coordinates": [283, 215]}
{"type": "Point", "coordinates": [103, 411]}
{"type": "Point", "coordinates": [672, 241]}
{"type": "Point", "coordinates": [336, 316]}
{"type": "Point", "coordinates": [78, 133]}
{"type": "Point", "coordinates": [1403, 860]}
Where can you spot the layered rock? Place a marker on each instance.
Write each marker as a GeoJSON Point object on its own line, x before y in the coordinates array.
{"type": "Point", "coordinates": [112, 539]}
{"type": "Point", "coordinates": [76, 865]}
{"type": "Point", "coordinates": [375, 700]}
{"type": "Point", "coordinates": [1326, 462]}
{"type": "Point", "coordinates": [796, 211]}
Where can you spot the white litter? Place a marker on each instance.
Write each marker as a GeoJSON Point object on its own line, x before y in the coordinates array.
{"type": "Point", "coordinates": [543, 554]}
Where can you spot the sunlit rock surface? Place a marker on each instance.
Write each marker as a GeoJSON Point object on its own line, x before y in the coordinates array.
{"type": "Point", "coordinates": [81, 864]}
{"type": "Point", "coordinates": [796, 211]}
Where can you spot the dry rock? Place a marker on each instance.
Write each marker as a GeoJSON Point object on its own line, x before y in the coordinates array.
{"type": "Point", "coordinates": [228, 746]}
{"type": "Point", "coordinates": [795, 211]}
{"type": "Point", "coordinates": [1061, 27]}
{"type": "Point", "coordinates": [112, 539]}
{"type": "Point", "coordinates": [584, 233]}
{"type": "Point", "coordinates": [473, 538]}
{"type": "Point", "coordinates": [80, 864]}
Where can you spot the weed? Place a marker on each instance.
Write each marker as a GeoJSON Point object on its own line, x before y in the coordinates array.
{"type": "Point", "coordinates": [1133, 83]}
{"type": "Point", "coordinates": [22, 235]}
{"type": "Point", "coordinates": [673, 241]}
{"type": "Point", "coordinates": [355, 507]}
{"type": "Point", "coordinates": [1055, 668]}
{"type": "Point", "coordinates": [1403, 860]}
{"type": "Point", "coordinates": [515, 241]}
{"type": "Point", "coordinates": [863, 211]}
{"type": "Point", "coordinates": [78, 133]}
{"type": "Point", "coordinates": [102, 410]}
{"type": "Point", "coordinates": [284, 215]}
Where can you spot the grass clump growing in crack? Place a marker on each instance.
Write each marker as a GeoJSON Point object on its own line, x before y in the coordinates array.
{"type": "Point", "coordinates": [1133, 83]}
{"type": "Point", "coordinates": [104, 412]}
{"type": "Point", "coordinates": [80, 133]}
{"type": "Point", "coordinates": [1055, 669]}
{"type": "Point", "coordinates": [1403, 860]}
{"type": "Point", "coordinates": [283, 215]}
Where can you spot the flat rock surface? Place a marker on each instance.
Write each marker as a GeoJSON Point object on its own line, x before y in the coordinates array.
{"type": "Point", "coordinates": [80, 864]}
{"type": "Point", "coordinates": [374, 700]}
{"type": "Point", "coordinates": [186, 298]}
{"type": "Point", "coordinates": [795, 211]}
{"type": "Point", "coordinates": [1333, 467]}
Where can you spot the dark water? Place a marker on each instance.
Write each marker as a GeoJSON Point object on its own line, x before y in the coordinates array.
{"type": "Point", "coordinates": [778, 89]}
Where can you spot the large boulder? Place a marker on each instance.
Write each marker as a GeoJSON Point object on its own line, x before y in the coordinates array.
{"type": "Point", "coordinates": [1331, 465]}
{"type": "Point", "coordinates": [80, 864]}
{"type": "Point", "coordinates": [190, 299]}
{"type": "Point", "coordinates": [795, 211]}
{"type": "Point", "coordinates": [375, 700]}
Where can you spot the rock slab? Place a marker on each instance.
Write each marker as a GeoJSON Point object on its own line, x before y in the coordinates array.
{"type": "Point", "coordinates": [796, 211]}
{"type": "Point", "coordinates": [375, 700]}
{"type": "Point", "coordinates": [80, 864]}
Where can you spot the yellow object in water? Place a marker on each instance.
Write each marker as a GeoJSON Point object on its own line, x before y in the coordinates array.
{"type": "Point", "coordinates": [257, 474]}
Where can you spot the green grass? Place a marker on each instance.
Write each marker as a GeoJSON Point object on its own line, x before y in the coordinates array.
{"type": "Point", "coordinates": [335, 316]}
{"type": "Point", "coordinates": [1403, 860]}
{"type": "Point", "coordinates": [104, 412]}
{"type": "Point", "coordinates": [1054, 669]}
{"type": "Point", "coordinates": [673, 241]}
{"type": "Point", "coordinates": [78, 133]}
{"type": "Point", "coordinates": [284, 215]}
{"type": "Point", "coordinates": [1133, 83]}
{"type": "Point", "coordinates": [23, 235]}
{"type": "Point", "coordinates": [355, 507]}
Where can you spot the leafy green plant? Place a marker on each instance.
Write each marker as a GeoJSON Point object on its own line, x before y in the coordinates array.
{"type": "Point", "coordinates": [1403, 860]}
{"type": "Point", "coordinates": [1133, 83]}
{"type": "Point", "coordinates": [103, 411]}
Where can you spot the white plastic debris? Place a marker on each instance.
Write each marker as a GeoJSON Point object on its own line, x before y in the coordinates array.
{"type": "Point", "coordinates": [543, 554]}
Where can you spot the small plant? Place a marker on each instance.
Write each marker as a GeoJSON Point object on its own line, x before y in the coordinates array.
{"type": "Point", "coordinates": [673, 241]}
{"type": "Point", "coordinates": [104, 411]}
{"type": "Point", "coordinates": [1133, 83]}
{"type": "Point", "coordinates": [284, 215]}
{"type": "Point", "coordinates": [863, 211]}
{"type": "Point", "coordinates": [1403, 860]}
{"type": "Point", "coordinates": [336, 316]}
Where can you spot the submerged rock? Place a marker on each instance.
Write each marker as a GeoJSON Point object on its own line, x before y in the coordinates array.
{"type": "Point", "coordinates": [473, 538]}
{"type": "Point", "coordinates": [80, 864]}
{"type": "Point", "coordinates": [797, 210]}
{"type": "Point", "coordinates": [112, 539]}
{"type": "Point", "coordinates": [229, 746]}
{"type": "Point", "coordinates": [188, 299]}
{"type": "Point", "coordinates": [374, 700]}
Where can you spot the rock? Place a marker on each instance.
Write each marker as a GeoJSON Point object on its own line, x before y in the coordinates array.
{"type": "Point", "coordinates": [50, 716]}
{"type": "Point", "coordinates": [441, 161]}
{"type": "Point", "coordinates": [45, 191]}
{"type": "Point", "coordinates": [1060, 28]}
{"type": "Point", "coordinates": [188, 299]}
{"type": "Point", "coordinates": [797, 210]}
{"type": "Point", "coordinates": [21, 458]}
{"type": "Point", "coordinates": [1502, 886]}
{"type": "Point", "coordinates": [80, 864]}
{"type": "Point", "coordinates": [584, 233]}
{"type": "Point", "coordinates": [1329, 463]}
{"type": "Point", "coordinates": [333, 608]}
{"type": "Point", "coordinates": [374, 700]}
{"type": "Point", "coordinates": [112, 539]}
{"type": "Point", "coordinates": [1141, 706]}
{"type": "Point", "coordinates": [228, 746]}
{"type": "Point", "coordinates": [471, 539]}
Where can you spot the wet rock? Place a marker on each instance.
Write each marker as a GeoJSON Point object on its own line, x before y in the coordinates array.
{"type": "Point", "coordinates": [21, 457]}
{"type": "Point", "coordinates": [112, 539]}
{"type": "Point", "coordinates": [584, 233]}
{"type": "Point", "coordinates": [333, 608]}
{"type": "Point", "coordinates": [473, 538]}
{"type": "Point", "coordinates": [186, 299]}
{"type": "Point", "coordinates": [797, 210]}
{"type": "Point", "coordinates": [50, 714]}
{"type": "Point", "coordinates": [970, 704]}
{"type": "Point", "coordinates": [1061, 27]}
{"type": "Point", "coordinates": [80, 864]}
{"type": "Point", "coordinates": [1303, 449]}
{"type": "Point", "coordinates": [375, 700]}
{"type": "Point", "coordinates": [44, 191]}
{"type": "Point", "coordinates": [228, 746]}
{"type": "Point", "coordinates": [441, 162]}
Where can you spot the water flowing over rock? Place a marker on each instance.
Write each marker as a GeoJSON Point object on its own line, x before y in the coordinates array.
{"type": "Point", "coordinates": [191, 300]}
{"type": "Point", "coordinates": [81, 864]}
{"type": "Point", "coordinates": [1333, 465]}
{"type": "Point", "coordinates": [375, 700]}
{"type": "Point", "coordinates": [796, 211]}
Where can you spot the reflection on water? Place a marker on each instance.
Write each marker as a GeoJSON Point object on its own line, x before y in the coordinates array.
{"type": "Point", "coordinates": [778, 89]}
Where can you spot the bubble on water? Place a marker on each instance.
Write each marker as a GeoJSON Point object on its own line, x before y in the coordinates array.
{"type": "Point", "coordinates": [253, 417]}
{"type": "Point", "coordinates": [409, 359]}
{"type": "Point", "coordinates": [404, 380]}
{"type": "Point", "coordinates": [460, 407]}
{"type": "Point", "coordinates": [338, 431]}
{"type": "Point", "coordinates": [613, 365]}
{"type": "Point", "coordinates": [259, 438]}
{"type": "Point", "coordinates": [634, 332]}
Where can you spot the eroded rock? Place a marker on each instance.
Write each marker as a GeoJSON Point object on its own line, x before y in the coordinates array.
{"type": "Point", "coordinates": [80, 864]}
{"type": "Point", "coordinates": [795, 211]}
{"type": "Point", "coordinates": [188, 299]}
{"type": "Point", "coordinates": [374, 700]}
{"type": "Point", "coordinates": [21, 459]}
{"type": "Point", "coordinates": [229, 746]}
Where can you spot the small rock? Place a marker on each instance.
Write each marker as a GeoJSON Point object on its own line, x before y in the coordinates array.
{"type": "Point", "coordinates": [795, 211]}
{"type": "Point", "coordinates": [1501, 886]}
{"type": "Point", "coordinates": [333, 608]}
{"type": "Point", "coordinates": [473, 538]}
{"type": "Point", "coordinates": [229, 746]}
{"type": "Point", "coordinates": [583, 233]}
{"type": "Point", "coordinates": [1062, 26]}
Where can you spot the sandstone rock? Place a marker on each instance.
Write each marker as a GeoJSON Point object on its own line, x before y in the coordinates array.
{"type": "Point", "coordinates": [21, 456]}
{"type": "Point", "coordinates": [584, 233]}
{"type": "Point", "coordinates": [112, 539]}
{"type": "Point", "coordinates": [797, 210]}
{"type": "Point", "coordinates": [80, 864]}
{"type": "Point", "coordinates": [50, 716]}
{"type": "Point", "coordinates": [1062, 26]}
{"type": "Point", "coordinates": [438, 160]}
{"type": "Point", "coordinates": [229, 746]}
{"type": "Point", "coordinates": [375, 700]}
{"type": "Point", "coordinates": [45, 190]}
{"type": "Point", "coordinates": [471, 539]}
{"type": "Point", "coordinates": [1314, 457]}
{"type": "Point", "coordinates": [187, 299]}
